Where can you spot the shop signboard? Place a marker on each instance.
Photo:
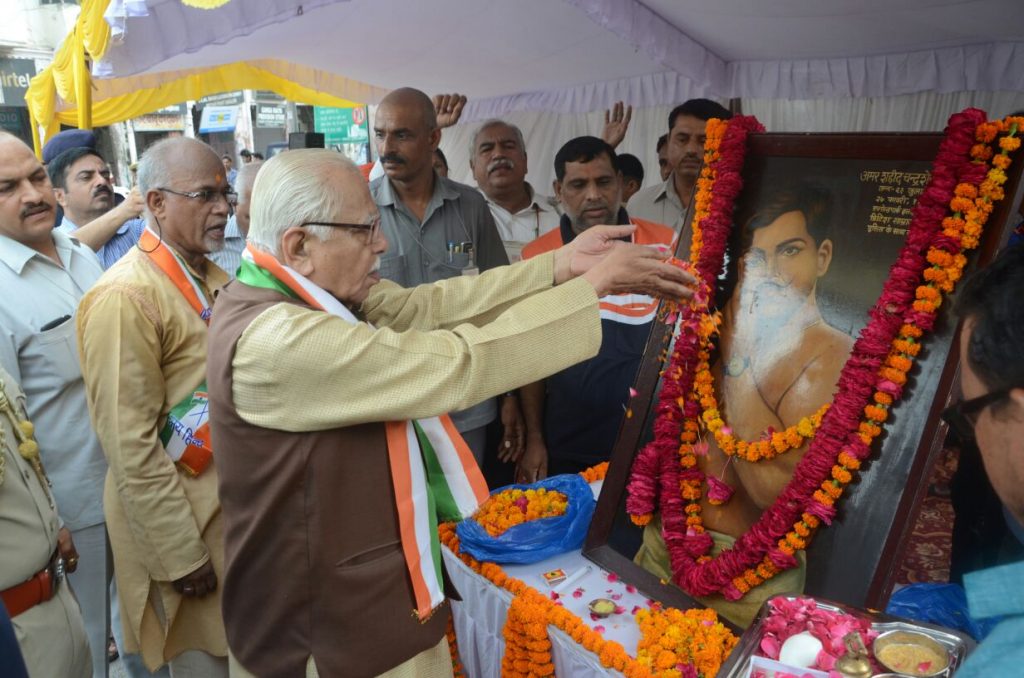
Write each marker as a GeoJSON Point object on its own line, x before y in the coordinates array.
{"type": "Point", "coordinates": [223, 99]}
{"type": "Point", "coordinates": [341, 125]}
{"type": "Point", "coordinates": [270, 115]}
{"type": "Point", "coordinates": [15, 75]}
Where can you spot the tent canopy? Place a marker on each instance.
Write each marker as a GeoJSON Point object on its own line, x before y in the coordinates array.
{"type": "Point", "coordinates": [568, 56]}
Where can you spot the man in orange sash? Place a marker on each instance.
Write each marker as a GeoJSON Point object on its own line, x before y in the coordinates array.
{"type": "Point", "coordinates": [573, 416]}
{"type": "Point", "coordinates": [142, 333]}
{"type": "Point", "coordinates": [328, 390]}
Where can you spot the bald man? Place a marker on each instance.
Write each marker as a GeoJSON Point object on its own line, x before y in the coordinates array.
{"type": "Point", "coordinates": [147, 396]}
{"type": "Point", "coordinates": [437, 228]}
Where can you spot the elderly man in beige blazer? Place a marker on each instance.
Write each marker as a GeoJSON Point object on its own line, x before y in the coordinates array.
{"type": "Point", "coordinates": [142, 333]}
{"type": "Point", "coordinates": [329, 390]}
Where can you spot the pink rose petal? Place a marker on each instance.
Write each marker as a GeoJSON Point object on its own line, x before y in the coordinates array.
{"type": "Point", "coordinates": [599, 628]}
{"type": "Point", "coordinates": [612, 577]}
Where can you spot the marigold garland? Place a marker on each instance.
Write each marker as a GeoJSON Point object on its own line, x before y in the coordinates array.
{"type": "Point", "coordinates": [966, 181]}
{"type": "Point", "coordinates": [527, 645]}
{"type": "Point", "coordinates": [677, 644]}
{"type": "Point", "coordinates": [458, 670]}
{"type": "Point", "coordinates": [533, 613]}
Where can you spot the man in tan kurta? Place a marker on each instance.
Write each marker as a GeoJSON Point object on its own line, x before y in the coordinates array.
{"type": "Point", "coordinates": [300, 393]}
{"type": "Point", "coordinates": [143, 348]}
{"type": "Point", "coordinates": [50, 632]}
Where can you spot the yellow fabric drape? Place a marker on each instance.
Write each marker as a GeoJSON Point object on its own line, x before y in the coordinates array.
{"type": "Point", "coordinates": [64, 92]}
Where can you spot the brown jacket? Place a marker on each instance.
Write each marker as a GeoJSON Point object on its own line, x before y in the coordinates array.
{"type": "Point", "coordinates": [314, 560]}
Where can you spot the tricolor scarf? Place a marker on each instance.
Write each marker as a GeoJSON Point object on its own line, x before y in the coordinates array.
{"type": "Point", "coordinates": [186, 433]}
{"type": "Point", "coordinates": [433, 471]}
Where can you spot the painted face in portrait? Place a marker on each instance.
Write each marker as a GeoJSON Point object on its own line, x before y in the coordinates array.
{"type": "Point", "coordinates": [780, 270]}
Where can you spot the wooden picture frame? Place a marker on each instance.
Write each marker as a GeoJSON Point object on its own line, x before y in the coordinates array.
{"type": "Point", "coordinates": [877, 512]}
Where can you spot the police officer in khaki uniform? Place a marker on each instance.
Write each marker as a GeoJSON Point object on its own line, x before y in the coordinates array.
{"type": "Point", "coordinates": [34, 552]}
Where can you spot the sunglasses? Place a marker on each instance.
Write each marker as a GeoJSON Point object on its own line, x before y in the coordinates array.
{"type": "Point", "coordinates": [963, 416]}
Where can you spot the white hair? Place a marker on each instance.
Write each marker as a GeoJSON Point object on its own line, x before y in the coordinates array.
{"type": "Point", "coordinates": [245, 178]}
{"type": "Point", "coordinates": [295, 187]}
{"type": "Point", "coordinates": [157, 165]}
{"type": "Point", "coordinates": [494, 122]}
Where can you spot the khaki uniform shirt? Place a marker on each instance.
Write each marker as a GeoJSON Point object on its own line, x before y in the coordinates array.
{"type": "Point", "coordinates": [143, 350]}
{"type": "Point", "coordinates": [51, 635]}
{"type": "Point", "coordinates": [28, 515]}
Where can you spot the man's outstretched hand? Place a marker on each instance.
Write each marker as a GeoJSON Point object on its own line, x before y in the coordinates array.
{"type": "Point", "coordinates": [639, 269]}
{"type": "Point", "coordinates": [615, 267]}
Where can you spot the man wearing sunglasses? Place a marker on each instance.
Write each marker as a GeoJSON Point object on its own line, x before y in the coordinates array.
{"type": "Point", "coordinates": [142, 333]}
{"type": "Point", "coordinates": [992, 412]}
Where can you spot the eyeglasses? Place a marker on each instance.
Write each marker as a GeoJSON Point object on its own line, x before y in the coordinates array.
{"type": "Point", "coordinates": [229, 196]}
{"type": "Point", "coordinates": [963, 416]}
{"type": "Point", "coordinates": [372, 229]}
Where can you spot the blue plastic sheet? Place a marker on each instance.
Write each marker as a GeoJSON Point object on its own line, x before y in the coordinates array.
{"type": "Point", "coordinates": [538, 539]}
{"type": "Point", "coordinates": [942, 604]}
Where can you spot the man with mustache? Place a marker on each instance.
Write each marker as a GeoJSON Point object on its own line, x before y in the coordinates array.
{"type": "Point", "coordinates": [43, 275]}
{"type": "Point", "coordinates": [572, 418]}
{"type": "Point", "coordinates": [437, 228]}
{"type": "Point", "coordinates": [82, 186]}
{"type": "Point", "coordinates": [142, 335]}
{"type": "Point", "coordinates": [498, 160]}
{"type": "Point", "coordinates": [666, 203]}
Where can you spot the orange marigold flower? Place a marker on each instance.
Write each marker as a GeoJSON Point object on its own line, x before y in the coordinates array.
{"type": "Point", "coordinates": [960, 204]}
{"type": "Point", "coordinates": [875, 413]}
{"type": "Point", "coordinates": [849, 461]}
{"type": "Point", "coordinates": [810, 521]}
{"type": "Point", "coordinates": [986, 132]}
{"type": "Point", "coordinates": [1009, 143]}
{"type": "Point", "coordinates": [833, 490]}
{"type": "Point", "coordinates": [1001, 161]}
{"type": "Point", "coordinates": [883, 398]}
{"type": "Point", "coordinates": [841, 474]}
{"type": "Point", "coordinates": [966, 191]}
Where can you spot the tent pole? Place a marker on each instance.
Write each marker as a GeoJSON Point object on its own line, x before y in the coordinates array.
{"type": "Point", "coordinates": [83, 89]}
{"type": "Point", "coordinates": [37, 143]}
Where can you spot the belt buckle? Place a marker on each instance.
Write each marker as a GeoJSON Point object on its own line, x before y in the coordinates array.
{"type": "Point", "coordinates": [57, 572]}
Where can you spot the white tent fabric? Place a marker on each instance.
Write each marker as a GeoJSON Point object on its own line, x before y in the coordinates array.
{"type": "Point", "coordinates": [579, 55]}
{"type": "Point", "coordinates": [544, 132]}
{"type": "Point", "coordinates": [553, 66]}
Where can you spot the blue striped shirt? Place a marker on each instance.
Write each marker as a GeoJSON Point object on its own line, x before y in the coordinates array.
{"type": "Point", "coordinates": [123, 239]}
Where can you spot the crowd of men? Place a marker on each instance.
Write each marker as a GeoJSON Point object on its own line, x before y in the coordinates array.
{"type": "Point", "coordinates": [262, 470]}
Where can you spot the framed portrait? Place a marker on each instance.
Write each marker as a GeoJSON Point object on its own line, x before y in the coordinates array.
{"type": "Point", "coordinates": [817, 226]}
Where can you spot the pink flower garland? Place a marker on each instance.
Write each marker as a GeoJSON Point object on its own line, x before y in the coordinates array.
{"type": "Point", "coordinates": [858, 381]}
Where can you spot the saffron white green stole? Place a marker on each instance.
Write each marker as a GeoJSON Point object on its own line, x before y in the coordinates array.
{"type": "Point", "coordinates": [433, 471]}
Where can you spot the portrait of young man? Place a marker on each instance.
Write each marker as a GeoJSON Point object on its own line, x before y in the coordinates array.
{"type": "Point", "coordinates": [779, 361]}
